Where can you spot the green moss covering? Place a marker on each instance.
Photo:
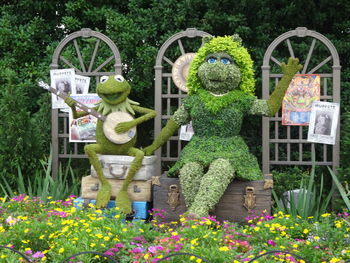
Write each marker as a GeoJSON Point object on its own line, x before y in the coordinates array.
{"type": "Point", "coordinates": [113, 91]}
{"type": "Point", "coordinates": [221, 87]}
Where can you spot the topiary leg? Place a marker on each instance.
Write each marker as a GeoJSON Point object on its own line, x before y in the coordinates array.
{"type": "Point", "coordinates": [104, 193]}
{"type": "Point", "coordinates": [212, 187]}
{"type": "Point", "coordinates": [190, 178]}
{"type": "Point", "coordinates": [122, 198]}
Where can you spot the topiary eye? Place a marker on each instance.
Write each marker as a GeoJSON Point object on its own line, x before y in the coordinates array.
{"type": "Point", "coordinates": [225, 61]}
{"type": "Point", "coordinates": [211, 60]}
{"type": "Point", "coordinates": [119, 78]}
{"type": "Point", "coordinates": [103, 79]}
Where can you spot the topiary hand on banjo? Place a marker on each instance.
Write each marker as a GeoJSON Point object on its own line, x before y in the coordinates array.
{"type": "Point", "coordinates": [220, 88]}
{"type": "Point", "coordinates": [114, 91]}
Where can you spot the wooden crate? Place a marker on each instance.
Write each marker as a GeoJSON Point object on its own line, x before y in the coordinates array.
{"type": "Point", "coordinates": [167, 196]}
{"type": "Point", "coordinates": [240, 199]}
{"type": "Point", "coordinates": [138, 190]}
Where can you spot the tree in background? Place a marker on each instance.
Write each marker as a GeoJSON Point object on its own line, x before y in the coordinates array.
{"type": "Point", "coordinates": [30, 30]}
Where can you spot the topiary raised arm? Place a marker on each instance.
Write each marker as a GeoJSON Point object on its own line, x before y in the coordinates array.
{"type": "Point", "coordinates": [289, 70]}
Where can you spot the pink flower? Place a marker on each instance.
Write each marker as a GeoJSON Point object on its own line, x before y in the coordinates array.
{"type": "Point", "coordinates": [137, 250]}
{"type": "Point", "coordinates": [38, 254]}
{"type": "Point", "coordinates": [271, 242]}
{"type": "Point", "coordinates": [119, 245]}
{"type": "Point", "coordinates": [108, 253]}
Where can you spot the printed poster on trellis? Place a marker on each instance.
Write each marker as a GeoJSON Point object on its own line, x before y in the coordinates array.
{"type": "Point", "coordinates": [83, 129]}
{"type": "Point", "coordinates": [303, 90]}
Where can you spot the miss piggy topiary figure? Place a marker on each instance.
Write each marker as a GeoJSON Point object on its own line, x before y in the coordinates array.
{"type": "Point", "coordinates": [221, 92]}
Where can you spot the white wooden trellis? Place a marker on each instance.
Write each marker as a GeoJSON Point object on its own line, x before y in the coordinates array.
{"type": "Point", "coordinates": [59, 120]}
{"type": "Point", "coordinates": [329, 81]}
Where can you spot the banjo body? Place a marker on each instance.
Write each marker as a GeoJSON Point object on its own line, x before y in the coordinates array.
{"type": "Point", "coordinates": [112, 120]}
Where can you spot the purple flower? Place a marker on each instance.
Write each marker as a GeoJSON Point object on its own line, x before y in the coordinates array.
{"type": "Point", "coordinates": [153, 249]}
{"type": "Point", "coordinates": [271, 242]}
{"type": "Point", "coordinates": [119, 245]}
{"type": "Point", "coordinates": [38, 254]}
{"type": "Point", "coordinates": [140, 239]}
{"type": "Point", "coordinates": [137, 250]}
{"type": "Point", "coordinates": [108, 253]}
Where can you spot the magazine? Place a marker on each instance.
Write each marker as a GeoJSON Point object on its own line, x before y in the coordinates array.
{"type": "Point", "coordinates": [62, 80]}
{"type": "Point", "coordinates": [303, 90]}
{"type": "Point", "coordinates": [82, 84]}
{"type": "Point", "coordinates": [186, 132]}
{"type": "Point", "coordinates": [323, 122]}
{"type": "Point", "coordinates": [83, 129]}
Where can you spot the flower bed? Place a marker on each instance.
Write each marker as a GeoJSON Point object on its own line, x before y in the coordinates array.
{"type": "Point", "coordinates": [52, 231]}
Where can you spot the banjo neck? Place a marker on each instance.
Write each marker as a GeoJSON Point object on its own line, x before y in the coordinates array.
{"type": "Point", "coordinates": [64, 95]}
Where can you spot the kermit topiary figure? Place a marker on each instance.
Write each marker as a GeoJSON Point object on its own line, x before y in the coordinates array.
{"type": "Point", "coordinates": [221, 92]}
{"type": "Point", "coordinates": [114, 91]}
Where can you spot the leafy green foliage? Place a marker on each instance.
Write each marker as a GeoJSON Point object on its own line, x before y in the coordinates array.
{"type": "Point", "coordinates": [42, 185]}
{"type": "Point", "coordinates": [309, 201]}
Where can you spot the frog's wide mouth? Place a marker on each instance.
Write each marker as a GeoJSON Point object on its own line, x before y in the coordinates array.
{"type": "Point", "coordinates": [111, 97]}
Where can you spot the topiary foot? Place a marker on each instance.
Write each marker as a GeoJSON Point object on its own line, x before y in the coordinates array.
{"type": "Point", "coordinates": [103, 195]}
{"type": "Point", "coordinates": [123, 202]}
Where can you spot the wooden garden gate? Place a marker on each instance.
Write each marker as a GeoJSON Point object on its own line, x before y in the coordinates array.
{"type": "Point", "coordinates": [79, 51]}
{"type": "Point", "coordinates": [287, 145]}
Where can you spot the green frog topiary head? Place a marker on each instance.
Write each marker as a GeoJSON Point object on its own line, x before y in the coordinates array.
{"type": "Point", "coordinates": [221, 65]}
{"type": "Point", "coordinates": [113, 90]}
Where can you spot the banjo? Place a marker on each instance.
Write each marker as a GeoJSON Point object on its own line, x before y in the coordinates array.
{"type": "Point", "coordinates": [109, 122]}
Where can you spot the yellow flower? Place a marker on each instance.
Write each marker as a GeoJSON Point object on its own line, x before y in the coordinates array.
{"type": "Point", "coordinates": [3, 256]}
{"type": "Point", "coordinates": [334, 260]}
{"type": "Point", "coordinates": [316, 238]}
{"type": "Point", "coordinates": [198, 260]}
{"type": "Point", "coordinates": [326, 215]}
{"type": "Point", "coordinates": [224, 248]}
{"type": "Point", "coordinates": [61, 250]}
{"type": "Point", "coordinates": [146, 256]}
{"type": "Point", "coordinates": [305, 231]}
{"type": "Point", "coordinates": [124, 229]}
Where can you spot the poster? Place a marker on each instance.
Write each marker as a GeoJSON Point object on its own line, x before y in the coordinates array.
{"type": "Point", "coordinates": [62, 80]}
{"type": "Point", "coordinates": [303, 90]}
{"type": "Point", "coordinates": [82, 84]}
{"type": "Point", "coordinates": [323, 122]}
{"type": "Point", "coordinates": [83, 129]}
{"type": "Point", "coordinates": [186, 132]}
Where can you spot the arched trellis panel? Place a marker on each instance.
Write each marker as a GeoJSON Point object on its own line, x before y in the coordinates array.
{"type": "Point", "coordinates": [167, 96]}
{"type": "Point", "coordinates": [104, 59]}
{"type": "Point", "coordinates": [287, 145]}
